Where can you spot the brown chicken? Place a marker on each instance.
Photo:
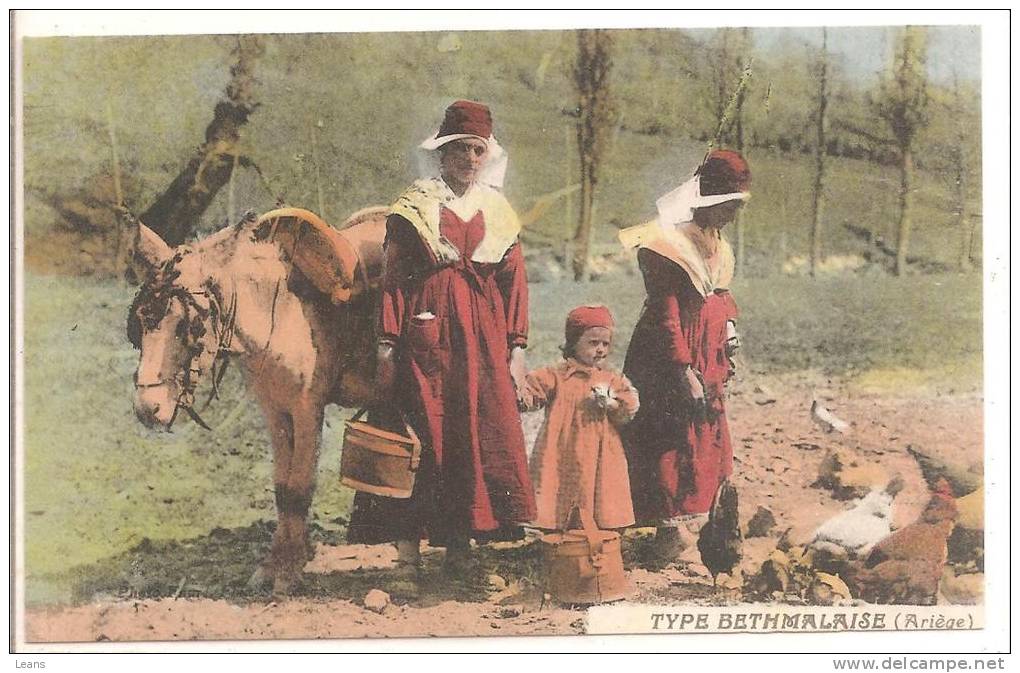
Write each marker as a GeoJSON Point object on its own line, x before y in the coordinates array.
{"type": "Point", "coordinates": [720, 540]}
{"type": "Point", "coordinates": [906, 566]}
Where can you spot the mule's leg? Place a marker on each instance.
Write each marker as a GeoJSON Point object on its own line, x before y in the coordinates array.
{"type": "Point", "coordinates": [281, 431]}
{"type": "Point", "coordinates": [294, 497]}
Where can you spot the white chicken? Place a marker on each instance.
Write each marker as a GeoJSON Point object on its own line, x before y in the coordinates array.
{"type": "Point", "coordinates": [856, 530]}
{"type": "Point", "coordinates": [826, 420]}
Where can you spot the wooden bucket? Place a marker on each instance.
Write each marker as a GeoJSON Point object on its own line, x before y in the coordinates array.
{"type": "Point", "coordinates": [584, 565]}
{"type": "Point", "coordinates": [379, 461]}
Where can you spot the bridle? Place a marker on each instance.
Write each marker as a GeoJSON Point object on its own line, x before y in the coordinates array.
{"type": "Point", "coordinates": [152, 304]}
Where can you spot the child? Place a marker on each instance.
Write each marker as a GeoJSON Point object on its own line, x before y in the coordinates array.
{"type": "Point", "coordinates": [578, 457]}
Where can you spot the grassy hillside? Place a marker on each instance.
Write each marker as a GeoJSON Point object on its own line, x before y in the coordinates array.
{"type": "Point", "coordinates": [352, 107]}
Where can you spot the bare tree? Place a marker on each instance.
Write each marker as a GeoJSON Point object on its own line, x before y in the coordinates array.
{"type": "Point", "coordinates": [903, 103]}
{"type": "Point", "coordinates": [729, 66]}
{"type": "Point", "coordinates": [959, 158]}
{"type": "Point", "coordinates": [823, 102]}
{"type": "Point", "coordinates": [176, 212]}
{"type": "Point", "coordinates": [591, 79]}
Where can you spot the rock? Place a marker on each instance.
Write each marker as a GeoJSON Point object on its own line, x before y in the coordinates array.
{"type": "Point", "coordinates": [509, 612]}
{"type": "Point", "coordinates": [784, 543]}
{"type": "Point", "coordinates": [857, 480]}
{"type": "Point", "coordinates": [763, 395]}
{"type": "Point", "coordinates": [828, 589]}
{"type": "Point", "coordinates": [728, 581]}
{"type": "Point", "coordinates": [828, 470]}
{"type": "Point", "coordinates": [376, 600]}
{"type": "Point", "coordinates": [761, 523]}
{"type": "Point", "coordinates": [848, 479]}
{"type": "Point", "coordinates": [963, 589]}
{"type": "Point", "coordinates": [966, 547]}
{"type": "Point", "coordinates": [971, 510]}
{"type": "Point", "coordinates": [827, 557]}
{"type": "Point", "coordinates": [774, 575]}
{"type": "Point", "coordinates": [963, 480]}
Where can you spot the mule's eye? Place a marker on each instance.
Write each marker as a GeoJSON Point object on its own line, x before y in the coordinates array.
{"type": "Point", "coordinates": [181, 331]}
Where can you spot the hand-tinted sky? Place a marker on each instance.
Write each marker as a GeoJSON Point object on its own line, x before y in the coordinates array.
{"type": "Point", "coordinates": [866, 51]}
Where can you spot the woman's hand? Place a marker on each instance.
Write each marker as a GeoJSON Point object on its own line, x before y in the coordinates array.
{"type": "Point", "coordinates": [694, 388]}
{"type": "Point", "coordinates": [518, 368]}
{"type": "Point", "coordinates": [385, 371]}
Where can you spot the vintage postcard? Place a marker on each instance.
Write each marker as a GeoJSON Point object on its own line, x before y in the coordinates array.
{"type": "Point", "coordinates": [393, 326]}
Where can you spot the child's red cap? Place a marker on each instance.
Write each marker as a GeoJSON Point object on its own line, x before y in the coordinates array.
{"type": "Point", "coordinates": [586, 317]}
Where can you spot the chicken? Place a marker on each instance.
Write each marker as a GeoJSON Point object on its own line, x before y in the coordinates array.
{"type": "Point", "coordinates": [858, 528]}
{"type": "Point", "coordinates": [720, 539]}
{"type": "Point", "coordinates": [906, 566]}
{"type": "Point", "coordinates": [825, 419]}
{"type": "Point", "coordinates": [961, 480]}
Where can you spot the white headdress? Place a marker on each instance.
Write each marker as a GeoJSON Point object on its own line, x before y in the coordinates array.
{"type": "Point", "coordinates": [493, 173]}
{"type": "Point", "coordinates": [678, 206]}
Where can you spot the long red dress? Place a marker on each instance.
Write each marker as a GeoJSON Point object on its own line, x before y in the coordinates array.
{"type": "Point", "coordinates": [453, 326]}
{"type": "Point", "coordinates": [677, 458]}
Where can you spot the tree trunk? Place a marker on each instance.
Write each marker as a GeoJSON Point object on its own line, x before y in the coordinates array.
{"type": "Point", "coordinates": [582, 236]}
{"type": "Point", "coordinates": [124, 233]}
{"type": "Point", "coordinates": [816, 209]}
{"type": "Point", "coordinates": [903, 233]}
{"type": "Point", "coordinates": [591, 74]}
{"type": "Point", "coordinates": [964, 223]}
{"type": "Point", "coordinates": [740, 231]}
{"type": "Point", "coordinates": [176, 212]}
{"type": "Point", "coordinates": [568, 206]}
{"type": "Point", "coordinates": [738, 220]}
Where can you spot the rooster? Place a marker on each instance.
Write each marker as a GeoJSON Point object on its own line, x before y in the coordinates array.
{"type": "Point", "coordinates": [720, 539]}
{"type": "Point", "coordinates": [906, 566]}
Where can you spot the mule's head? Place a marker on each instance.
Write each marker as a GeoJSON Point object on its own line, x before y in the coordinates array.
{"type": "Point", "coordinates": [174, 322]}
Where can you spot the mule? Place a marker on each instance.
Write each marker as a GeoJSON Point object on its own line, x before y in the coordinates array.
{"type": "Point", "coordinates": [237, 295]}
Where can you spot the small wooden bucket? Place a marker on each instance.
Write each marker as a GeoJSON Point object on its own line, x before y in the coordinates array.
{"type": "Point", "coordinates": [379, 461]}
{"type": "Point", "coordinates": [584, 565]}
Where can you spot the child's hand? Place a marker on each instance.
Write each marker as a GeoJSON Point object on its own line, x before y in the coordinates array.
{"type": "Point", "coordinates": [604, 398]}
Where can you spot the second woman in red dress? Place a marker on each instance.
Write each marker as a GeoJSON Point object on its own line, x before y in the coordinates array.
{"type": "Point", "coordinates": [678, 445]}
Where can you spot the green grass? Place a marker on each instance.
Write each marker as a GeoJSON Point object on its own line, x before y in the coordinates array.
{"type": "Point", "coordinates": [98, 484]}
{"type": "Point", "coordinates": [95, 480]}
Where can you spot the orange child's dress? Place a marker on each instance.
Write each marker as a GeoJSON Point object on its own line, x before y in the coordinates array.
{"type": "Point", "coordinates": [578, 457]}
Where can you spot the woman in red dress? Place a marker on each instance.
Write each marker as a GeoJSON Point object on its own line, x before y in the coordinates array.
{"type": "Point", "coordinates": [678, 445]}
{"type": "Point", "coordinates": [452, 329]}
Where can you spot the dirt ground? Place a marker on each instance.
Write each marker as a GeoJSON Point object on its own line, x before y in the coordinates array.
{"type": "Point", "coordinates": [778, 452]}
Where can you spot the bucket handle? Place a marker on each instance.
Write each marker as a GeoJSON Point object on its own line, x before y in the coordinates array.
{"type": "Point", "coordinates": [587, 523]}
{"type": "Point", "coordinates": [411, 435]}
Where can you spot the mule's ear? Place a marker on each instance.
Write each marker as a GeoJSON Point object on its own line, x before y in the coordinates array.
{"type": "Point", "coordinates": [151, 250]}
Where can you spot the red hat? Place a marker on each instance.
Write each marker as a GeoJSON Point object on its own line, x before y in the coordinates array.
{"type": "Point", "coordinates": [586, 317]}
{"type": "Point", "coordinates": [724, 172]}
{"type": "Point", "coordinates": [463, 119]}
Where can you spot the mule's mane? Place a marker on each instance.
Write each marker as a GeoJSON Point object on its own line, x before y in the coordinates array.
{"type": "Point", "coordinates": [232, 252]}
{"type": "Point", "coordinates": [151, 302]}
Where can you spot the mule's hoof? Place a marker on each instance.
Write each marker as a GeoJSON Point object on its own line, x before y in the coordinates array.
{"type": "Point", "coordinates": [260, 579]}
